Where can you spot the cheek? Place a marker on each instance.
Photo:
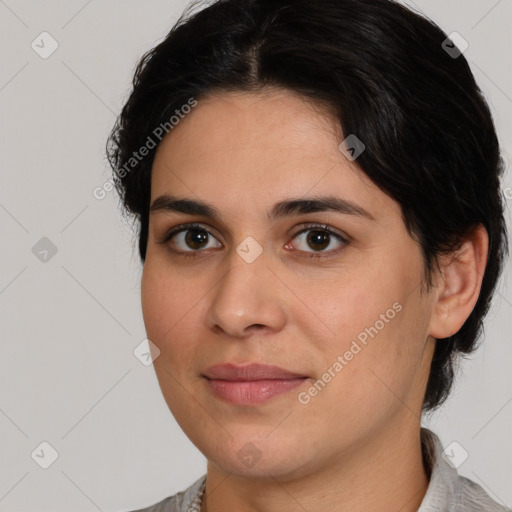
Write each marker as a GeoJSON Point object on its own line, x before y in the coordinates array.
{"type": "Point", "coordinates": [166, 300]}
{"type": "Point", "coordinates": [354, 306]}
{"type": "Point", "coordinates": [173, 309]}
{"type": "Point", "coordinates": [153, 300]}
{"type": "Point", "coordinates": [375, 324]}
{"type": "Point", "coordinates": [166, 309]}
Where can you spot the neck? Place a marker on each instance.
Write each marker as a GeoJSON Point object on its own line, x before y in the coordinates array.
{"type": "Point", "coordinates": [385, 473]}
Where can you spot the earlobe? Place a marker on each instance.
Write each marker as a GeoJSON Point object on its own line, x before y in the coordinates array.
{"type": "Point", "coordinates": [459, 284]}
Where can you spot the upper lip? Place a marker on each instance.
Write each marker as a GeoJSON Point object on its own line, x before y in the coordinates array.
{"type": "Point", "coordinates": [248, 372]}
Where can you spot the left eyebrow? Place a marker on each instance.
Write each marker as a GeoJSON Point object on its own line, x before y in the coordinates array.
{"type": "Point", "coordinates": [167, 203]}
{"type": "Point", "coordinates": [317, 204]}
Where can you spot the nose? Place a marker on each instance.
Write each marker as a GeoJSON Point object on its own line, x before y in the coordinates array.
{"type": "Point", "coordinates": [248, 298]}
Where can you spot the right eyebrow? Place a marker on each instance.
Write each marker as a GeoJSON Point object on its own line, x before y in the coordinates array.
{"type": "Point", "coordinates": [167, 203]}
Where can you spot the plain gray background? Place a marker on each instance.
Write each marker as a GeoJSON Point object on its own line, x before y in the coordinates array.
{"type": "Point", "coordinates": [71, 319]}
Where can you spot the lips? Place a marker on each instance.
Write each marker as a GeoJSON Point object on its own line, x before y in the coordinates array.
{"type": "Point", "coordinates": [250, 384]}
{"type": "Point", "coordinates": [249, 372]}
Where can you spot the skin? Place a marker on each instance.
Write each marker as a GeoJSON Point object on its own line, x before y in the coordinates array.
{"type": "Point", "coordinates": [242, 153]}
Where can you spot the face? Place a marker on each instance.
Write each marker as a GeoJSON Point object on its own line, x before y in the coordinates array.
{"type": "Point", "coordinates": [329, 291]}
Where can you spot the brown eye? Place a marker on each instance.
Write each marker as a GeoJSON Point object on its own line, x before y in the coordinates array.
{"type": "Point", "coordinates": [195, 238]}
{"type": "Point", "coordinates": [189, 239]}
{"type": "Point", "coordinates": [316, 239]}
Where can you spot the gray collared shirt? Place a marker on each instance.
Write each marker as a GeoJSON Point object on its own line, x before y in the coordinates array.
{"type": "Point", "coordinates": [447, 490]}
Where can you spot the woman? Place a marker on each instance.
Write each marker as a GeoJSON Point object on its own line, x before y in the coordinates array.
{"type": "Point", "coordinates": [316, 184]}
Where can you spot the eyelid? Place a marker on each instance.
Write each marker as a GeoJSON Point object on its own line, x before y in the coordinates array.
{"type": "Point", "coordinates": [343, 238]}
{"type": "Point", "coordinates": [184, 227]}
{"type": "Point", "coordinates": [323, 227]}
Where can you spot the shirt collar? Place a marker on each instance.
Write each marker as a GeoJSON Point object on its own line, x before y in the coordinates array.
{"type": "Point", "coordinates": [444, 484]}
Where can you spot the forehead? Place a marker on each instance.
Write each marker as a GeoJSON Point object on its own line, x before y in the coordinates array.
{"type": "Point", "coordinates": [241, 121]}
{"type": "Point", "coordinates": [258, 146]}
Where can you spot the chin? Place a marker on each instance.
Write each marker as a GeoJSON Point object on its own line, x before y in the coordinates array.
{"type": "Point", "coordinates": [257, 457]}
{"type": "Point", "coordinates": [262, 469]}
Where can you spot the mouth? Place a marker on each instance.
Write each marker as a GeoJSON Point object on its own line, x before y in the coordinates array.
{"type": "Point", "coordinates": [250, 384]}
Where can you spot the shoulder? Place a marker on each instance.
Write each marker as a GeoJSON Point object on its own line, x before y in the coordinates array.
{"type": "Point", "coordinates": [447, 490]}
{"type": "Point", "coordinates": [474, 498]}
{"type": "Point", "coordinates": [188, 500]}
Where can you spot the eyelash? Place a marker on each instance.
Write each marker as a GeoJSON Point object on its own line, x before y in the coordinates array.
{"type": "Point", "coordinates": [308, 227]}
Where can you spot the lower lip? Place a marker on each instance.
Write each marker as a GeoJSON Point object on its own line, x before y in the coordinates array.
{"type": "Point", "coordinates": [252, 392]}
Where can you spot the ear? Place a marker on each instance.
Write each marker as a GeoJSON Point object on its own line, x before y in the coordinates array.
{"type": "Point", "coordinates": [458, 286]}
